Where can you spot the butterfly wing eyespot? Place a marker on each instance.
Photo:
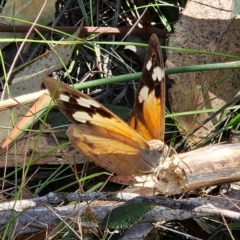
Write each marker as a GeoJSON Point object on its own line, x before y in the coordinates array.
{"type": "Point", "coordinates": [106, 139]}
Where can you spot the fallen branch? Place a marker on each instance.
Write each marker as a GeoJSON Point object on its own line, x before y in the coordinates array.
{"type": "Point", "coordinates": [170, 209]}
{"type": "Point", "coordinates": [186, 204]}
{"type": "Point", "coordinates": [208, 166]}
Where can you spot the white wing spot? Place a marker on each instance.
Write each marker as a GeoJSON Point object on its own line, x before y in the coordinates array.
{"type": "Point", "coordinates": [149, 65]}
{"type": "Point", "coordinates": [64, 98]}
{"type": "Point", "coordinates": [87, 103]}
{"type": "Point", "coordinates": [157, 74]}
{"type": "Point", "coordinates": [162, 74]}
{"type": "Point", "coordinates": [143, 94]}
{"type": "Point", "coordinates": [82, 117]}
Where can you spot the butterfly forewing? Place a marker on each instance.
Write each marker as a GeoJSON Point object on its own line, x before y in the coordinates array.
{"type": "Point", "coordinates": [80, 108]}
{"type": "Point", "coordinates": [148, 114]}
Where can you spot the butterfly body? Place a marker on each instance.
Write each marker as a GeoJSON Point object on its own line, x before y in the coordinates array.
{"type": "Point", "coordinates": [107, 140]}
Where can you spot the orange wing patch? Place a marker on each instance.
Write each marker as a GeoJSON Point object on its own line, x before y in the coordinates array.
{"type": "Point", "coordinates": [108, 150]}
{"type": "Point", "coordinates": [148, 115]}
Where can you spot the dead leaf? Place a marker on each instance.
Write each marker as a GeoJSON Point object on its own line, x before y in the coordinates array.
{"type": "Point", "coordinates": [25, 147]}
{"type": "Point", "coordinates": [207, 26]}
{"type": "Point", "coordinates": [29, 80]}
{"type": "Point", "coordinates": [25, 10]}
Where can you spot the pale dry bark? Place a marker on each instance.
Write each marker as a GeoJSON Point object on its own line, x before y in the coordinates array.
{"type": "Point", "coordinates": [211, 165]}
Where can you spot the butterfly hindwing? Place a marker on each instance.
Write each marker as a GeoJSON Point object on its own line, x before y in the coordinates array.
{"type": "Point", "coordinates": [148, 114]}
{"type": "Point", "coordinates": [108, 150]}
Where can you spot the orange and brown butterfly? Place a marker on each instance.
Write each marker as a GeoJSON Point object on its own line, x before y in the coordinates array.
{"type": "Point", "coordinates": [107, 140]}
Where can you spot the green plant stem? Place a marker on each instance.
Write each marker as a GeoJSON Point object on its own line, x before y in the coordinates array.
{"type": "Point", "coordinates": [136, 76]}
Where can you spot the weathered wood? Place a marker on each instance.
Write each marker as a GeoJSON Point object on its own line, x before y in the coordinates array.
{"type": "Point", "coordinates": [204, 167]}
{"type": "Point", "coordinates": [165, 210]}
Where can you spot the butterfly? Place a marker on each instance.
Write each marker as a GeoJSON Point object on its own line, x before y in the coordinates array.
{"type": "Point", "coordinates": [106, 139]}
